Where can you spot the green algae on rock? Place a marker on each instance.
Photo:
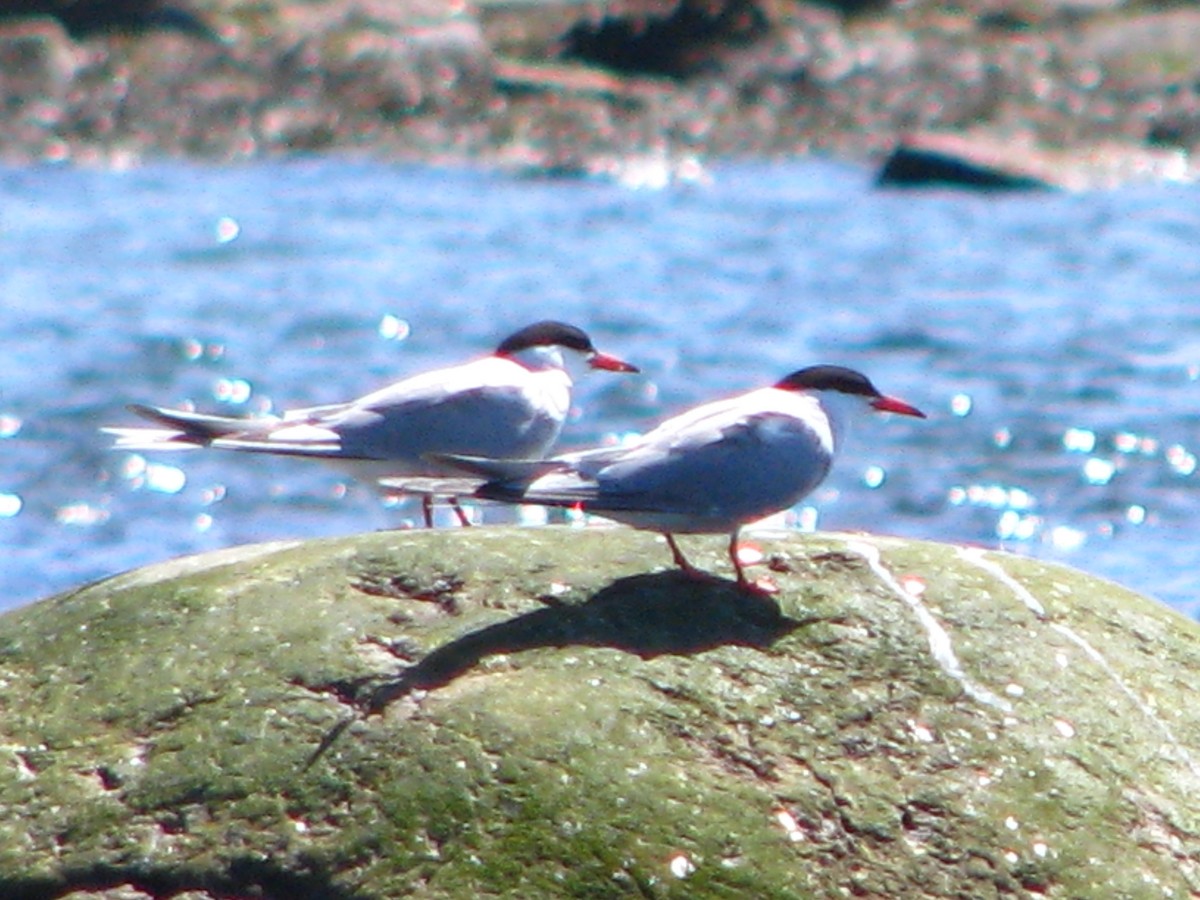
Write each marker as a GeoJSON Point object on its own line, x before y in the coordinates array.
{"type": "Point", "coordinates": [558, 718]}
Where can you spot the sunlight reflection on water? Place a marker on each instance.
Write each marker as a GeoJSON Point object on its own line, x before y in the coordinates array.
{"type": "Point", "coordinates": [1053, 337]}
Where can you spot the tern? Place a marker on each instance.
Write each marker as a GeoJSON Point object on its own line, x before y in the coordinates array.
{"type": "Point", "coordinates": [510, 404]}
{"type": "Point", "coordinates": [709, 470]}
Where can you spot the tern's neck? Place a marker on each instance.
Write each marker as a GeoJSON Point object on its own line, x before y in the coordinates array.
{"type": "Point", "coordinates": [841, 409]}
{"type": "Point", "coordinates": [540, 359]}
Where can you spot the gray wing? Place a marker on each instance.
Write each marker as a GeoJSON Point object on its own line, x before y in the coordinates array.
{"type": "Point", "coordinates": [748, 467]}
{"type": "Point", "coordinates": [399, 424]}
{"type": "Point", "coordinates": [496, 421]}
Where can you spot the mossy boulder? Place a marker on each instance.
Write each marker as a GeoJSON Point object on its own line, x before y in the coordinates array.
{"type": "Point", "coordinates": [542, 712]}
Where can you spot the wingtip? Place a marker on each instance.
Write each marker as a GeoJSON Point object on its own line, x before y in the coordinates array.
{"type": "Point", "coordinates": [152, 413]}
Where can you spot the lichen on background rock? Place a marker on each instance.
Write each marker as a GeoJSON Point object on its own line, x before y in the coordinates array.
{"type": "Point", "coordinates": [557, 714]}
{"type": "Point", "coordinates": [1102, 93]}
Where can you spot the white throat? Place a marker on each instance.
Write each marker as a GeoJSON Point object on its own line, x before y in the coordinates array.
{"type": "Point", "coordinates": [841, 410]}
{"type": "Point", "coordinates": [541, 358]}
{"type": "Point", "coordinates": [553, 358]}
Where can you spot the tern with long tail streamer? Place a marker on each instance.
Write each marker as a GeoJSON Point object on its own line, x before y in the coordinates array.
{"type": "Point", "coordinates": [508, 405]}
{"type": "Point", "coordinates": [709, 470]}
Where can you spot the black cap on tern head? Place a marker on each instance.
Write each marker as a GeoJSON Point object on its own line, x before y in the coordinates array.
{"type": "Point", "coordinates": [845, 381]}
{"type": "Point", "coordinates": [546, 334]}
{"type": "Point", "coordinates": [829, 378]}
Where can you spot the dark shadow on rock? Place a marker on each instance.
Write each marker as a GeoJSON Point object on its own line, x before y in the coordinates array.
{"type": "Point", "coordinates": [649, 615]}
{"type": "Point", "coordinates": [241, 876]}
{"type": "Point", "coordinates": [85, 18]}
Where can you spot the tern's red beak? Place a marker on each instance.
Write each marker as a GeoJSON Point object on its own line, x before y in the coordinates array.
{"type": "Point", "coordinates": [611, 363]}
{"type": "Point", "coordinates": [892, 405]}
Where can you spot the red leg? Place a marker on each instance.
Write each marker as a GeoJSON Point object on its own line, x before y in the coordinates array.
{"type": "Point", "coordinates": [733, 557]}
{"type": "Point", "coordinates": [680, 559]}
{"type": "Point", "coordinates": [463, 519]}
{"type": "Point", "coordinates": [765, 586]}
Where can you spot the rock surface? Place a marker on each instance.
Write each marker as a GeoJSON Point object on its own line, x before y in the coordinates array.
{"type": "Point", "coordinates": [558, 714]}
{"type": "Point", "coordinates": [565, 86]}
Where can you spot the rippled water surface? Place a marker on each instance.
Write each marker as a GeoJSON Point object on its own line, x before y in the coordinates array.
{"type": "Point", "coordinates": [1054, 339]}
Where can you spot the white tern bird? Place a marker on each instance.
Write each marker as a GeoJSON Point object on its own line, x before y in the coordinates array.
{"type": "Point", "coordinates": [709, 470]}
{"type": "Point", "coordinates": [510, 404]}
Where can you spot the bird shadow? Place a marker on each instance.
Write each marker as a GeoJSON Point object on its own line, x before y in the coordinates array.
{"type": "Point", "coordinates": [648, 615]}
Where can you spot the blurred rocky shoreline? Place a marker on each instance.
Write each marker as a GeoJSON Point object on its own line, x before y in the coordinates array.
{"type": "Point", "coordinates": [1076, 93]}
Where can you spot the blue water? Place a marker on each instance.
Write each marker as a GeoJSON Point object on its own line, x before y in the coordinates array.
{"type": "Point", "coordinates": [1054, 340]}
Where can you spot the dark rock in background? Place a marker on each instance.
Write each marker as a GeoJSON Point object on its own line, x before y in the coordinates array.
{"type": "Point", "coordinates": [84, 18]}
{"type": "Point", "coordinates": [688, 41]}
{"type": "Point", "coordinates": [955, 162]}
